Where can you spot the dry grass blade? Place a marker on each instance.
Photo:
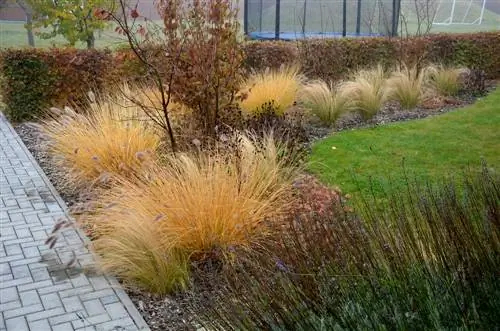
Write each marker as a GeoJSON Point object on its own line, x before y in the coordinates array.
{"type": "Point", "coordinates": [407, 86]}
{"type": "Point", "coordinates": [445, 81]}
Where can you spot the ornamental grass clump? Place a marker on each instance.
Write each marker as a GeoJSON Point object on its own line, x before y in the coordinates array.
{"type": "Point", "coordinates": [367, 89]}
{"type": "Point", "coordinates": [407, 85]}
{"type": "Point", "coordinates": [279, 87]}
{"type": "Point", "coordinates": [189, 206]}
{"type": "Point", "coordinates": [445, 81]}
{"type": "Point", "coordinates": [325, 101]}
{"type": "Point", "coordinates": [104, 140]}
{"type": "Point", "coordinates": [423, 258]}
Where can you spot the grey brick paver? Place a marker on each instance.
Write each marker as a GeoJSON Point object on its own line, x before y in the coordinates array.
{"type": "Point", "coordinates": [45, 314]}
{"type": "Point", "coordinates": [62, 327]}
{"type": "Point", "coordinates": [18, 324]}
{"type": "Point", "coordinates": [40, 325]}
{"type": "Point", "coordinates": [23, 311]}
{"type": "Point", "coordinates": [72, 304]}
{"type": "Point", "coordinates": [51, 301]}
{"type": "Point", "coordinates": [57, 320]}
{"type": "Point", "coordinates": [38, 291]}
{"type": "Point", "coordinates": [29, 298]}
{"type": "Point", "coordinates": [8, 294]}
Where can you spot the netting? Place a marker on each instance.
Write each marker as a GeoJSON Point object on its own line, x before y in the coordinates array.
{"type": "Point", "coordinates": [302, 18]}
{"type": "Point", "coordinates": [459, 12]}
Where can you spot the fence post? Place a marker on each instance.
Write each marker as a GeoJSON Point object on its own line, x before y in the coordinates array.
{"type": "Point", "coordinates": [278, 10]}
{"type": "Point", "coordinates": [344, 19]}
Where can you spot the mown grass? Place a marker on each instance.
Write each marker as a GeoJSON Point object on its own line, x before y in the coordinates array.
{"type": "Point", "coordinates": [427, 148]}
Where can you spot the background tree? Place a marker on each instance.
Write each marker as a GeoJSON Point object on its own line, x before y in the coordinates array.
{"type": "Point", "coordinates": [29, 16]}
{"type": "Point", "coordinates": [417, 17]}
{"type": "Point", "coordinates": [72, 19]}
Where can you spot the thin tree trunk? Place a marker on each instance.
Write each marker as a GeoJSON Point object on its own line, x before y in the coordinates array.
{"type": "Point", "coordinates": [29, 21]}
{"type": "Point", "coordinates": [91, 41]}
{"type": "Point", "coordinates": [29, 29]}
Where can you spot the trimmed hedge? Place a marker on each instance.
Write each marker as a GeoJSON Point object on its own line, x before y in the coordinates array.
{"type": "Point", "coordinates": [35, 79]}
{"type": "Point", "coordinates": [333, 59]}
{"type": "Point", "coordinates": [269, 54]}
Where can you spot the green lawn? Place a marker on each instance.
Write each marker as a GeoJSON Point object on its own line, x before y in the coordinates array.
{"type": "Point", "coordinates": [428, 148]}
{"type": "Point", "coordinates": [13, 34]}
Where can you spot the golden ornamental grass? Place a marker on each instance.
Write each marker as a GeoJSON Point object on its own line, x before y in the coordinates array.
{"type": "Point", "coordinates": [107, 140]}
{"type": "Point", "coordinates": [193, 204]}
{"type": "Point", "coordinates": [367, 89]}
{"type": "Point", "coordinates": [325, 101]}
{"type": "Point", "coordinates": [407, 85]}
{"type": "Point", "coordinates": [445, 81]}
{"type": "Point", "coordinates": [279, 87]}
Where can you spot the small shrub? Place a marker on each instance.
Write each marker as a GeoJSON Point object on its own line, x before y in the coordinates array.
{"type": "Point", "coordinates": [277, 86]}
{"type": "Point", "coordinates": [194, 204]}
{"type": "Point", "coordinates": [475, 82]}
{"type": "Point", "coordinates": [110, 138]}
{"type": "Point", "coordinates": [407, 86]}
{"type": "Point", "coordinates": [445, 81]}
{"type": "Point", "coordinates": [367, 89]}
{"type": "Point", "coordinates": [325, 101]}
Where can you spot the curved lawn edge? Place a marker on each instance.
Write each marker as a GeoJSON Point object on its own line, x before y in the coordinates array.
{"type": "Point", "coordinates": [427, 148]}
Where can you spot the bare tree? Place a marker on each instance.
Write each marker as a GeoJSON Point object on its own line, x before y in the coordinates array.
{"type": "Point", "coordinates": [422, 12]}
{"type": "Point", "coordinates": [138, 38]}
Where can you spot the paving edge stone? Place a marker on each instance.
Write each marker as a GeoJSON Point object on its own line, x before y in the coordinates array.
{"type": "Point", "coordinates": [122, 295]}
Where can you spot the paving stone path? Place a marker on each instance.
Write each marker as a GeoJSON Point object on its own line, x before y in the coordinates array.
{"type": "Point", "coordinates": [38, 291]}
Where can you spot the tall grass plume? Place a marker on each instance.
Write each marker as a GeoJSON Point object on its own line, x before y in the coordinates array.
{"type": "Point", "coordinates": [425, 258]}
{"type": "Point", "coordinates": [407, 85]}
{"type": "Point", "coordinates": [445, 81]}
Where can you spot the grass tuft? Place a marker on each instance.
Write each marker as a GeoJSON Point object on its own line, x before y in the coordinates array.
{"type": "Point", "coordinates": [368, 91]}
{"type": "Point", "coordinates": [107, 140]}
{"type": "Point", "coordinates": [325, 101]}
{"type": "Point", "coordinates": [407, 86]}
{"type": "Point", "coordinates": [445, 81]}
{"type": "Point", "coordinates": [192, 205]}
{"type": "Point", "coordinates": [426, 258]}
{"type": "Point", "coordinates": [279, 87]}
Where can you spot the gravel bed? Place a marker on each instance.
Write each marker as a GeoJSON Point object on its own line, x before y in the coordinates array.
{"type": "Point", "coordinates": [173, 312]}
